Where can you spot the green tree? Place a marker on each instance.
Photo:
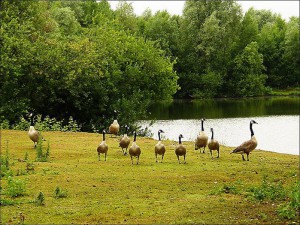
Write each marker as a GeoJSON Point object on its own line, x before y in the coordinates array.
{"type": "Point", "coordinates": [247, 77]}
{"type": "Point", "coordinates": [291, 54]}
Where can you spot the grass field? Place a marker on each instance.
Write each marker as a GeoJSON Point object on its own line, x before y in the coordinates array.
{"type": "Point", "coordinates": [226, 190]}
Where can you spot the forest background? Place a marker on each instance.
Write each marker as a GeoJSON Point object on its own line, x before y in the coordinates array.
{"type": "Point", "coordinates": [80, 60]}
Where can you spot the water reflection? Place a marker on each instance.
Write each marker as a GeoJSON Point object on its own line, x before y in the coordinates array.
{"type": "Point", "coordinates": [224, 108]}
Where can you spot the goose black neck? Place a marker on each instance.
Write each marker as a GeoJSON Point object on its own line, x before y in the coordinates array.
{"type": "Point", "coordinates": [158, 135]}
{"type": "Point", "coordinates": [179, 140]}
{"type": "Point", "coordinates": [212, 134]}
{"type": "Point", "coordinates": [252, 133]}
{"type": "Point", "coordinates": [202, 128]}
{"type": "Point", "coordinates": [31, 121]}
{"type": "Point", "coordinates": [103, 136]}
{"type": "Point", "coordinates": [134, 139]}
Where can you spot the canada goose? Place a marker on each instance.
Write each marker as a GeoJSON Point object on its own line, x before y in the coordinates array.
{"type": "Point", "coordinates": [124, 141]}
{"type": "Point", "coordinates": [180, 150]}
{"type": "Point", "coordinates": [114, 127]}
{"type": "Point", "coordinates": [213, 144]}
{"type": "Point", "coordinates": [160, 147]}
{"type": "Point", "coordinates": [33, 134]}
{"type": "Point", "coordinates": [134, 150]}
{"type": "Point", "coordinates": [247, 146]}
{"type": "Point", "coordinates": [202, 138]}
{"type": "Point", "coordinates": [103, 147]}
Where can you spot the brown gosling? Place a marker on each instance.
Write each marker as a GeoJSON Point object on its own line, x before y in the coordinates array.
{"type": "Point", "coordinates": [180, 150]}
{"type": "Point", "coordinates": [202, 138]}
{"type": "Point", "coordinates": [103, 147]}
{"type": "Point", "coordinates": [160, 147]}
{"type": "Point", "coordinates": [114, 127]}
{"type": "Point", "coordinates": [125, 141]}
{"type": "Point", "coordinates": [248, 146]}
{"type": "Point", "coordinates": [134, 150]}
{"type": "Point", "coordinates": [213, 144]}
{"type": "Point", "coordinates": [33, 134]}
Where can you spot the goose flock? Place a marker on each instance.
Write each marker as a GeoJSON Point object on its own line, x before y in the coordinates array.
{"type": "Point", "coordinates": [201, 142]}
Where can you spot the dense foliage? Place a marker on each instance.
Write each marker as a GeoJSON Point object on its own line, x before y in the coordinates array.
{"type": "Point", "coordinates": [81, 59]}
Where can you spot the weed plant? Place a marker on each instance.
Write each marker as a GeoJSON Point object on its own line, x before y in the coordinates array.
{"type": "Point", "coordinates": [59, 193]}
{"type": "Point", "coordinates": [41, 155]}
{"type": "Point", "coordinates": [291, 209]}
{"type": "Point", "coordinates": [268, 191]}
{"type": "Point", "coordinates": [40, 200]}
{"type": "Point", "coordinates": [15, 188]}
{"type": "Point", "coordinates": [5, 164]}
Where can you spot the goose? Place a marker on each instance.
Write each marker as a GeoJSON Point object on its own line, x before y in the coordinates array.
{"type": "Point", "coordinates": [114, 127]}
{"type": "Point", "coordinates": [202, 138]}
{"type": "Point", "coordinates": [134, 150]}
{"type": "Point", "coordinates": [213, 144]}
{"type": "Point", "coordinates": [125, 141]}
{"type": "Point", "coordinates": [103, 147]}
{"type": "Point", "coordinates": [33, 134]}
{"type": "Point", "coordinates": [180, 150]}
{"type": "Point", "coordinates": [160, 147]}
{"type": "Point", "coordinates": [247, 146]}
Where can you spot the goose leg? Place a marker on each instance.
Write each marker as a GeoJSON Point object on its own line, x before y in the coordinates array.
{"type": "Point", "coordinates": [211, 154]}
{"type": "Point", "coordinates": [178, 159]}
{"type": "Point", "coordinates": [184, 159]}
{"type": "Point", "coordinates": [218, 153]}
{"type": "Point", "coordinates": [155, 157]}
{"type": "Point", "coordinates": [243, 157]}
{"type": "Point", "coordinates": [247, 157]}
{"type": "Point", "coordinates": [137, 160]}
{"type": "Point", "coordinates": [162, 158]}
{"type": "Point", "coordinates": [203, 150]}
{"type": "Point", "coordinates": [105, 156]}
{"type": "Point", "coordinates": [99, 156]}
{"type": "Point", "coordinates": [131, 160]}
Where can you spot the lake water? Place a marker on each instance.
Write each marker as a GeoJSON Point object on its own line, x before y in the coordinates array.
{"type": "Point", "coordinates": [277, 117]}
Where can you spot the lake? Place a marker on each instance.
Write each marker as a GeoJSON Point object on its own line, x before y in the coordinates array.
{"type": "Point", "coordinates": [277, 117]}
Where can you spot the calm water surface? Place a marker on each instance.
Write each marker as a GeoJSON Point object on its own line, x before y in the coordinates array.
{"type": "Point", "coordinates": [277, 129]}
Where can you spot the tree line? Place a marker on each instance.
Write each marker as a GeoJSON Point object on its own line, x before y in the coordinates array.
{"type": "Point", "coordinates": [81, 59]}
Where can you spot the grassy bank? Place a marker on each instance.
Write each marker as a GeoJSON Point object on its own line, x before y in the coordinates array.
{"type": "Point", "coordinates": [203, 191]}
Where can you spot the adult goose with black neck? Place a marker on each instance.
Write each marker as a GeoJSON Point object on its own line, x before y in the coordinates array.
{"type": "Point", "coordinates": [202, 138]}
{"type": "Point", "coordinates": [248, 146]}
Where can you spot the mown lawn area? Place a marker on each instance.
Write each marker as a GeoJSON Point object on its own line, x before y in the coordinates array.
{"type": "Point", "coordinates": [79, 189]}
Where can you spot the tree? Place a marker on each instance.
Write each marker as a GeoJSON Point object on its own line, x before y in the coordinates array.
{"type": "Point", "coordinates": [247, 78]}
{"type": "Point", "coordinates": [291, 54]}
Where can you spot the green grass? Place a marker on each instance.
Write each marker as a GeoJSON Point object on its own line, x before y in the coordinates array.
{"type": "Point", "coordinates": [286, 92]}
{"type": "Point", "coordinates": [202, 191]}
